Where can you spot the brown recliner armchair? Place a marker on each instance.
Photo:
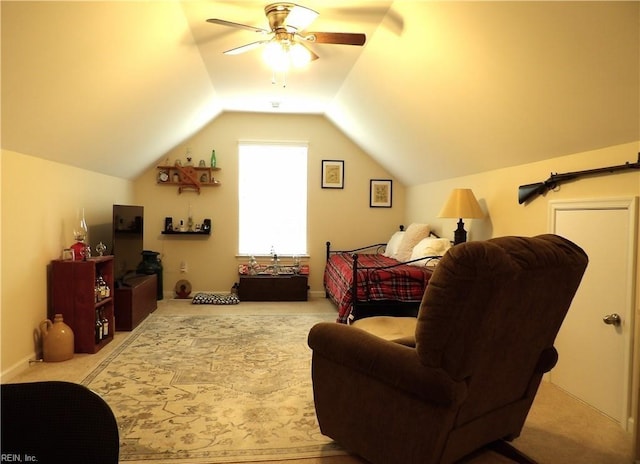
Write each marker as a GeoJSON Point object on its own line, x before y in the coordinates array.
{"type": "Point", "coordinates": [484, 338]}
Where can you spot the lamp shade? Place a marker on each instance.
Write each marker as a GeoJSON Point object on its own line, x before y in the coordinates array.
{"type": "Point", "coordinates": [461, 204]}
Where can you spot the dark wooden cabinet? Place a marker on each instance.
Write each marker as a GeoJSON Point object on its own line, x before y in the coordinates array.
{"type": "Point", "coordinates": [73, 295]}
{"type": "Point", "coordinates": [273, 288]}
{"type": "Point", "coordinates": [135, 301]}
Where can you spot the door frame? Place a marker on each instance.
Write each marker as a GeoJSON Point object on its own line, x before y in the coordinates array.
{"type": "Point", "coordinates": [631, 337]}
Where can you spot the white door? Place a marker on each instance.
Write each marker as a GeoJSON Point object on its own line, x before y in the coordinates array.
{"type": "Point", "coordinates": [595, 356]}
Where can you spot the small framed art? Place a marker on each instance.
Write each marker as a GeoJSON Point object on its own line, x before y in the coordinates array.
{"type": "Point", "coordinates": [380, 191]}
{"type": "Point", "coordinates": [332, 174]}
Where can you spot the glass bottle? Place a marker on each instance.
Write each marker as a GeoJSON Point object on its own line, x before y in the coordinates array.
{"type": "Point", "coordinates": [98, 328]}
{"type": "Point", "coordinates": [101, 288]}
{"type": "Point", "coordinates": [105, 324]}
{"type": "Point", "coordinates": [213, 159]}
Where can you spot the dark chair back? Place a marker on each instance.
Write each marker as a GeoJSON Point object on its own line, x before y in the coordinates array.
{"type": "Point", "coordinates": [57, 422]}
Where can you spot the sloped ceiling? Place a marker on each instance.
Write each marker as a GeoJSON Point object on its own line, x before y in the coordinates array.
{"type": "Point", "coordinates": [441, 89]}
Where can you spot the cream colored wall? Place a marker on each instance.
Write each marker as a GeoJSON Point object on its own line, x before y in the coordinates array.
{"type": "Point", "coordinates": [497, 193]}
{"type": "Point", "coordinates": [39, 203]}
{"type": "Point", "coordinates": [342, 216]}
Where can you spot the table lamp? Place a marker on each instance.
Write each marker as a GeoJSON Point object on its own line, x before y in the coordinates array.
{"type": "Point", "coordinates": [461, 204]}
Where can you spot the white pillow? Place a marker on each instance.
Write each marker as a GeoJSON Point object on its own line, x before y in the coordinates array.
{"type": "Point", "coordinates": [429, 247]}
{"type": "Point", "coordinates": [413, 234]}
{"type": "Point", "coordinates": [391, 249]}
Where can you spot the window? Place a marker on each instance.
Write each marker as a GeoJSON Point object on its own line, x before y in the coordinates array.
{"type": "Point", "coordinates": [272, 196]}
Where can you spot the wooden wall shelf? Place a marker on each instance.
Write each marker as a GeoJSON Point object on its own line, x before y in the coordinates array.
{"type": "Point", "coordinates": [187, 177]}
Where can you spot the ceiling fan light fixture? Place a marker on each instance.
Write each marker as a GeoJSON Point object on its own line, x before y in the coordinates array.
{"type": "Point", "coordinates": [276, 56]}
{"type": "Point", "coordinates": [300, 55]}
{"type": "Point", "coordinates": [280, 56]}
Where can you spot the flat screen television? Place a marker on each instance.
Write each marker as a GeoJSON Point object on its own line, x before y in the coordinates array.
{"type": "Point", "coordinates": [128, 228]}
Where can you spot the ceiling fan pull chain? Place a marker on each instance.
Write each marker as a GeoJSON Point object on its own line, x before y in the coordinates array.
{"type": "Point", "coordinates": [274, 78]}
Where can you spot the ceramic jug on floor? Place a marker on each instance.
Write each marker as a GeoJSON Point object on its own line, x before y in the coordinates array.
{"type": "Point", "coordinates": [57, 339]}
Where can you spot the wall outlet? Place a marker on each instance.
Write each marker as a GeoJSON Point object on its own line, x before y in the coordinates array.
{"type": "Point", "coordinates": [183, 267]}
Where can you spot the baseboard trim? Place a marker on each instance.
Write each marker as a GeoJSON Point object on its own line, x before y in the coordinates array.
{"type": "Point", "coordinates": [17, 368]}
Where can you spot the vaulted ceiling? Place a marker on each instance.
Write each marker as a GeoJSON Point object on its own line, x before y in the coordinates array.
{"type": "Point", "coordinates": [439, 90]}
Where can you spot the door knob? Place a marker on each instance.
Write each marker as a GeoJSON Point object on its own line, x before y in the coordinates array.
{"type": "Point", "coordinates": [612, 319]}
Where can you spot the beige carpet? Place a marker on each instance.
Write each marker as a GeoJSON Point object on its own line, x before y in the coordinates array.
{"type": "Point", "coordinates": [559, 429]}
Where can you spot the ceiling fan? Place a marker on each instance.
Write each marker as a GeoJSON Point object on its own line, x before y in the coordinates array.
{"type": "Point", "coordinates": [286, 42]}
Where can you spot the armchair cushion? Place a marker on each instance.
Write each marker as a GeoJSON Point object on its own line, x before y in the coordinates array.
{"type": "Point", "coordinates": [397, 329]}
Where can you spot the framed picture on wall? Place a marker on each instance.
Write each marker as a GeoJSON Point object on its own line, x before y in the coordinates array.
{"type": "Point", "coordinates": [380, 191]}
{"type": "Point", "coordinates": [332, 174]}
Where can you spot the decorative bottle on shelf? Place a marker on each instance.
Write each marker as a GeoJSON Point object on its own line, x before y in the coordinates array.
{"type": "Point", "coordinates": [98, 326]}
{"type": "Point", "coordinates": [101, 288]}
{"type": "Point", "coordinates": [213, 159]}
{"type": "Point", "coordinates": [105, 325]}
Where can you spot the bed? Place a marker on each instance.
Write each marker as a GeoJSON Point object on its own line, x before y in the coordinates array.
{"type": "Point", "coordinates": [384, 278]}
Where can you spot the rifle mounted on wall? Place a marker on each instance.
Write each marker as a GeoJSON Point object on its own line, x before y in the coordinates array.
{"type": "Point", "coordinates": [530, 191]}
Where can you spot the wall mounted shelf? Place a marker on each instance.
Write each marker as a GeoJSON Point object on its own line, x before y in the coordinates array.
{"type": "Point", "coordinates": [187, 177]}
{"type": "Point", "coordinates": [193, 232]}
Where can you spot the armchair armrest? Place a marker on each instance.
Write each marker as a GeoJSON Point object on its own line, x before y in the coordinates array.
{"type": "Point", "coordinates": [388, 362]}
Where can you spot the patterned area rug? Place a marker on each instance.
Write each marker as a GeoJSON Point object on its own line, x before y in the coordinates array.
{"type": "Point", "coordinates": [214, 389]}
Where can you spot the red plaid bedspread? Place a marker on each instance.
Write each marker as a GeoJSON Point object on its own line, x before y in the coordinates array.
{"type": "Point", "coordinates": [400, 283]}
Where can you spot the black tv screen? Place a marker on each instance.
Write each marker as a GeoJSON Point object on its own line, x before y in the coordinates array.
{"type": "Point", "coordinates": [128, 228]}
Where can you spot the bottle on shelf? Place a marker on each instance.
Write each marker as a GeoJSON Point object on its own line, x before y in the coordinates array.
{"type": "Point", "coordinates": [105, 325]}
{"type": "Point", "coordinates": [213, 159]}
{"type": "Point", "coordinates": [102, 289]}
{"type": "Point", "coordinates": [99, 334]}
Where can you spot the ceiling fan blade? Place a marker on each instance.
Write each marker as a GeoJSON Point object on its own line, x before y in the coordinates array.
{"type": "Point", "coordinates": [340, 38]}
{"type": "Point", "coordinates": [311, 52]}
{"type": "Point", "coordinates": [245, 48]}
{"type": "Point", "coordinates": [222, 22]}
{"type": "Point", "coordinates": [300, 17]}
